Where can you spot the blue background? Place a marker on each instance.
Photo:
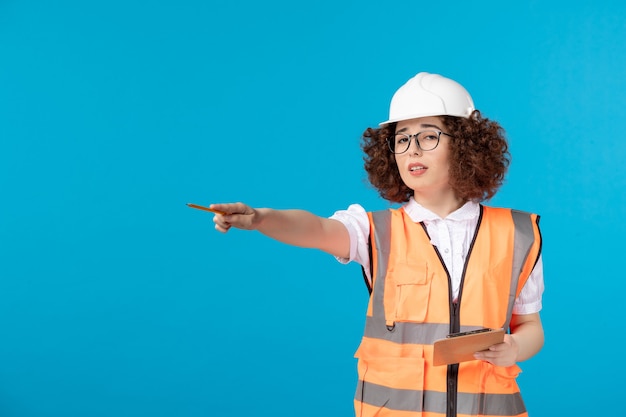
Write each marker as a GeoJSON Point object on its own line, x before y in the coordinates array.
{"type": "Point", "coordinates": [118, 300]}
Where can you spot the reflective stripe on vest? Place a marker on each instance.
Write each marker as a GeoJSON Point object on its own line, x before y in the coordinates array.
{"type": "Point", "coordinates": [395, 356]}
{"type": "Point", "coordinates": [435, 402]}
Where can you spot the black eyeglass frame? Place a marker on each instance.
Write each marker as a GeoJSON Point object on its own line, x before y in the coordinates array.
{"type": "Point", "coordinates": [391, 141]}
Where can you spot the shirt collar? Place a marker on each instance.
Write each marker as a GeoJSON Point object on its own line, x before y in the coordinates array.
{"type": "Point", "coordinates": [419, 213]}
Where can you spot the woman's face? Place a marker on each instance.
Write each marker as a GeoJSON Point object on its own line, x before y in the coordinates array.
{"type": "Point", "coordinates": [425, 172]}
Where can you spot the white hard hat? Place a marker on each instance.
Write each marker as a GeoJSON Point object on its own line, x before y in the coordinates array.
{"type": "Point", "coordinates": [429, 95]}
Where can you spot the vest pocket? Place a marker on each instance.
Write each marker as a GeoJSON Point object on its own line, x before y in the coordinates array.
{"type": "Point", "coordinates": [499, 378]}
{"type": "Point", "coordinates": [503, 394]}
{"type": "Point", "coordinates": [412, 287]}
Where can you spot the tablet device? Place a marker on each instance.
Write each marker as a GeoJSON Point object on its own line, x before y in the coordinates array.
{"type": "Point", "coordinates": [460, 347]}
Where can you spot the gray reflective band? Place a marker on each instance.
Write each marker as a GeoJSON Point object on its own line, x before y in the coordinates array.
{"type": "Point", "coordinates": [406, 332]}
{"type": "Point", "coordinates": [393, 399]}
{"type": "Point", "coordinates": [382, 240]}
{"type": "Point", "coordinates": [435, 402]}
{"type": "Point", "coordinates": [522, 243]}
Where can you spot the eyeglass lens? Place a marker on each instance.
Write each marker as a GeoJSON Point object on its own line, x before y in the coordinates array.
{"type": "Point", "coordinates": [427, 141]}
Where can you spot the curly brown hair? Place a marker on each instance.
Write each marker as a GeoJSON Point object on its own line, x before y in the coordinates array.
{"type": "Point", "coordinates": [478, 151]}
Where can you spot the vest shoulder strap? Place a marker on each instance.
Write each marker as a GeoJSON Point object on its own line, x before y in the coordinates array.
{"type": "Point", "coordinates": [380, 229]}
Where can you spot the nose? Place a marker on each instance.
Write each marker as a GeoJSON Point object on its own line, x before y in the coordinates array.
{"type": "Point", "coordinates": [414, 146]}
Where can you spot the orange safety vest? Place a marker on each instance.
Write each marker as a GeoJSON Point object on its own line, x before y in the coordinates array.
{"type": "Point", "coordinates": [411, 306]}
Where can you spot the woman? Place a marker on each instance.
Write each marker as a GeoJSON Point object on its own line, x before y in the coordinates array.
{"type": "Point", "coordinates": [442, 263]}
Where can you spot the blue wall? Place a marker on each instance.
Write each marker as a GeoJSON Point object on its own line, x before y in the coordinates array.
{"type": "Point", "coordinates": [118, 300]}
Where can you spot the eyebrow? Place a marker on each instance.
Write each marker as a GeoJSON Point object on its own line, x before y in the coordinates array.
{"type": "Point", "coordinates": [404, 129]}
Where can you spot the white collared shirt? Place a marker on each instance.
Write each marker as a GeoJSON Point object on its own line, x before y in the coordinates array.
{"type": "Point", "coordinates": [452, 237]}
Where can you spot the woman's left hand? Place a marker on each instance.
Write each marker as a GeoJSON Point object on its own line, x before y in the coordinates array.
{"type": "Point", "coordinates": [502, 354]}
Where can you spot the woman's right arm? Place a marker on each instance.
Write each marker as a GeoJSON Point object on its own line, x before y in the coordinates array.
{"type": "Point", "coordinates": [293, 227]}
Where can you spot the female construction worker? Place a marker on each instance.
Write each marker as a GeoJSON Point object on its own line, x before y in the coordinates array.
{"type": "Point", "coordinates": [442, 263]}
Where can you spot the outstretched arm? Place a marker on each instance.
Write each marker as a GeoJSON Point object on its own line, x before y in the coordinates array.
{"type": "Point", "coordinates": [294, 227]}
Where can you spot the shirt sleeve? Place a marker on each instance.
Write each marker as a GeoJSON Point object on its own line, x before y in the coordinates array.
{"type": "Point", "coordinates": [356, 221]}
{"type": "Point", "coordinates": [529, 300]}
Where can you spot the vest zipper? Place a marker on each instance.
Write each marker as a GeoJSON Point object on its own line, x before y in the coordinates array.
{"type": "Point", "coordinates": [453, 370]}
{"type": "Point", "coordinates": [455, 320]}
{"type": "Point", "coordinates": [455, 325]}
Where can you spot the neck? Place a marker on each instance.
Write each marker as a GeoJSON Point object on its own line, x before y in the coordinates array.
{"type": "Point", "coordinates": [442, 205]}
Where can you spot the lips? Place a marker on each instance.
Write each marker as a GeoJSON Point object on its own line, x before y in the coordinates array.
{"type": "Point", "coordinates": [417, 168]}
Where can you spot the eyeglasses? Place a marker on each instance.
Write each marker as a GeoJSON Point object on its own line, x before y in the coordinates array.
{"type": "Point", "coordinates": [426, 141]}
